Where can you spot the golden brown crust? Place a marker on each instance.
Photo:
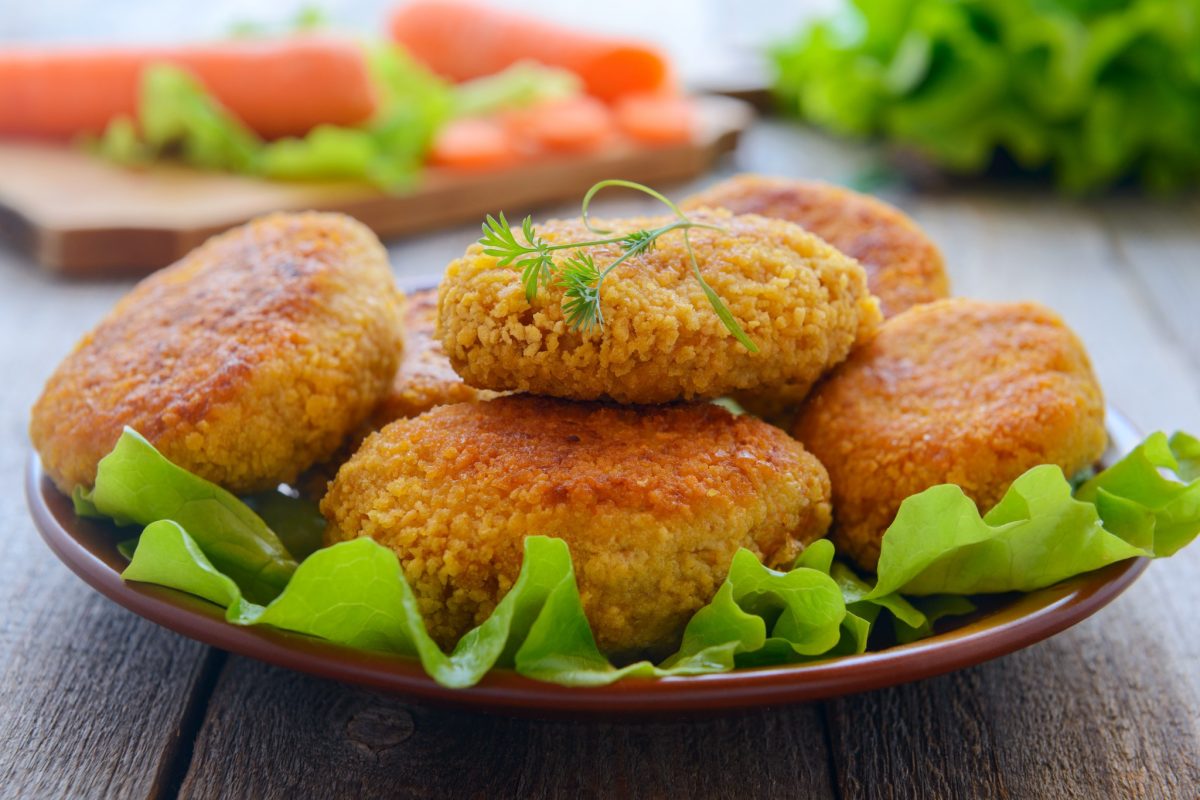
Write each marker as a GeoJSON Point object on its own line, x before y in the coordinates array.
{"type": "Point", "coordinates": [653, 503]}
{"type": "Point", "coordinates": [904, 267]}
{"type": "Point", "coordinates": [802, 302]}
{"type": "Point", "coordinates": [245, 362]}
{"type": "Point", "coordinates": [425, 378]}
{"type": "Point", "coordinates": [957, 391]}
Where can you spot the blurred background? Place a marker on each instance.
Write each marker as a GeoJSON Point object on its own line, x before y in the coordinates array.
{"type": "Point", "coordinates": [706, 38]}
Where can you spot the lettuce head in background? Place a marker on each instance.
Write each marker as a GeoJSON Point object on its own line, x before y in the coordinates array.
{"type": "Point", "coordinates": [1096, 92]}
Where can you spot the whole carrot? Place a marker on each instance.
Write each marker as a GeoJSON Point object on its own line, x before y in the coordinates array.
{"type": "Point", "coordinates": [277, 88]}
{"type": "Point", "coordinates": [462, 41]}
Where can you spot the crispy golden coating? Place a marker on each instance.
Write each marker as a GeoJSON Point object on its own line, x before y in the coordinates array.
{"type": "Point", "coordinates": [904, 268]}
{"type": "Point", "coordinates": [245, 362]}
{"type": "Point", "coordinates": [425, 378]}
{"type": "Point", "coordinates": [957, 391]}
{"type": "Point", "coordinates": [802, 302]}
{"type": "Point", "coordinates": [653, 503]}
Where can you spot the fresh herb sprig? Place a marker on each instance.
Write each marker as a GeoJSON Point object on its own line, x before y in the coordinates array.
{"type": "Point", "coordinates": [578, 275]}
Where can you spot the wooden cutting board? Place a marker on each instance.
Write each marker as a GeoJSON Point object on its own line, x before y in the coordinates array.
{"type": "Point", "coordinates": [81, 216]}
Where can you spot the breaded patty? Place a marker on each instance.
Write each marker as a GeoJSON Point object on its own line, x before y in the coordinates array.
{"type": "Point", "coordinates": [425, 378]}
{"type": "Point", "coordinates": [245, 362]}
{"type": "Point", "coordinates": [653, 503]}
{"type": "Point", "coordinates": [958, 391]}
{"type": "Point", "coordinates": [904, 268]}
{"type": "Point", "coordinates": [802, 302]}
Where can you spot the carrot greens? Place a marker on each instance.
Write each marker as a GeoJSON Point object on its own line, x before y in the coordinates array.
{"type": "Point", "coordinates": [578, 274]}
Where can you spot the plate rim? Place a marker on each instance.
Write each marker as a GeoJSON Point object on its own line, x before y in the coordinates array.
{"type": "Point", "coordinates": [1030, 618]}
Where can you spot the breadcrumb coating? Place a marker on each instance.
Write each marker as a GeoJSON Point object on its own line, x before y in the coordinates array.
{"type": "Point", "coordinates": [245, 362]}
{"type": "Point", "coordinates": [957, 391]}
{"type": "Point", "coordinates": [425, 378]}
{"type": "Point", "coordinates": [653, 503]}
{"type": "Point", "coordinates": [802, 302]}
{"type": "Point", "coordinates": [904, 267]}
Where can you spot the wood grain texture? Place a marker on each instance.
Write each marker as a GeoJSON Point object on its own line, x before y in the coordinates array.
{"type": "Point", "coordinates": [92, 698]}
{"type": "Point", "coordinates": [299, 736]}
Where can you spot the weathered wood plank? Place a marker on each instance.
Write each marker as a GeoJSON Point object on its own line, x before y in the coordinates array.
{"type": "Point", "coordinates": [1108, 709]}
{"type": "Point", "coordinates": [271, 733]}
{"type": "Point", "coordinates": [1158, 242]}
{"type": "Point", "coordinates": [92, 699]}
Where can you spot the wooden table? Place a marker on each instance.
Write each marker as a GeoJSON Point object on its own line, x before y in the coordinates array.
{"type": "Point", "coordinates": [95, 702]}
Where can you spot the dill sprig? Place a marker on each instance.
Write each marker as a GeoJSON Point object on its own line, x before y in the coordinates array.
{"type": "Point", "coordinates": [578, 274]}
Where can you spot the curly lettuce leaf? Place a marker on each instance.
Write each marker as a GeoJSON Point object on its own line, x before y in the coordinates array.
{"type": "Point", "coordinates": [1141, 504]}
{"type": "Point", "coordinates": [1039, 534]}
{"type": "Point", "coordinates": [938, 551]}
{"type": "Point", "coordinates": [177, 117]}
{"type": "Point", "coordinates": [1097, 92]}
{"type": "Point", "coordinates": [137, 484]}
{"type": "Point", "coordinates": [525, 83]}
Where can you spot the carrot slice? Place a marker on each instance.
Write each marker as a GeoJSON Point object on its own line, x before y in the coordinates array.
{"type": "Point", "coordinates": [656, 119]}
{"type": "Point", "coordinates": [575, 125]}
{"type": "Point", "coordinates": [462, 41]}
{"type": "Point", "coordinates": [278, 88]}
{"type": "Point", "coordinates": [474, 144]}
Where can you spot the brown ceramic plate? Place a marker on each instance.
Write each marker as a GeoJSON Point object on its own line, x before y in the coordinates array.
{"type": "Point", "coordinates": [89, 548]}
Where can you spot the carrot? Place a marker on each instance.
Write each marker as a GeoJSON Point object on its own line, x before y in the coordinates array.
{"type": "Point", "coordinates": [474, 144]}
{"type": "Point", "coordinates": [278, 88]}
{"type": "Point", "coordinates": [656, 119]}
{"type": "Point", "coordinates": [462, 41]}
{"type": "Point", "coordinates": [575, 125]}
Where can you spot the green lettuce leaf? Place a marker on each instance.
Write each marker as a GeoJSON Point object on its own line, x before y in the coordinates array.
{"type": "Point", "coordinates": [201, 540]}
{"type": "Point", "coordinates": [136, 484]}
{"type": "Point", "coordinates": [1142, 505]}
{"type": "Point", "coordinates": [297, 521]}
{"type": "Point", "coordinates": [1038, 534]}
{"type": "Point", "coordinates": [1096, 92]}
{"type": "Point", "coordinates": [525, 83]}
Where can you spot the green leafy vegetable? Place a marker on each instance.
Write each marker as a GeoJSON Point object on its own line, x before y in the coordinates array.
{"type": "Point", "coordinates": [201, 540]}
{"type": "Point", "coordinates": [1097, 91]}
{"type": "Point", "coordinates": [177, 117]}
{"type": "Point", "coordinates": [1036, 536]}
{"type": "Point", "coordinates": [295, 520]}
{"type": "Point", "coordinates": [136, 484]}
{"type": "Point", "coordinates": [524, 84]}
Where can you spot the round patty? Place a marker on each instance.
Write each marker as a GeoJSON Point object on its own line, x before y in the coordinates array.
{"type": "Point", "coordinates": [425, 378]}
{"type": "Point", "coordinates": [904, 268]}
{"type": "Point", "coordinates": [958, 391]}
{"type": "Point", "coordinates": [653, 503]}
{"type": "Point", "coordinates": [802, 302]}
{"type": "Point", "coordinates": [245, 362]}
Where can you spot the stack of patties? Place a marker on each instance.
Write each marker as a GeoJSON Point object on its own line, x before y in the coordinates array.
{"type": "Point", "coordinates": [609, 442]}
